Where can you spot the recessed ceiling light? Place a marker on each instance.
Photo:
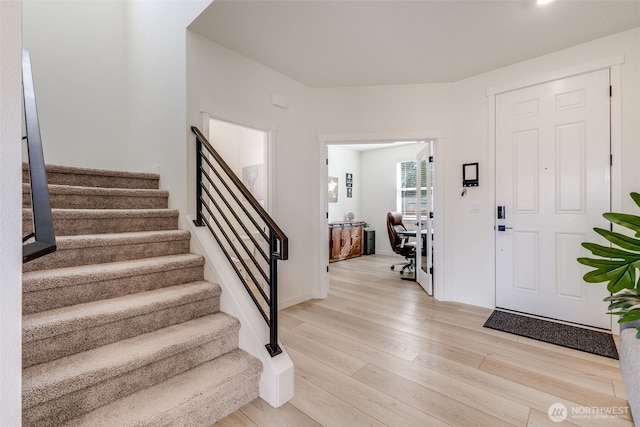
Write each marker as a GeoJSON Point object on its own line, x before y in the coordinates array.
{"type": "Point", "coordinates": [544, 1]}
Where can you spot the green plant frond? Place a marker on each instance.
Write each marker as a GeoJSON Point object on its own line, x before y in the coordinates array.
{"type": "Point", "coordinates": [623, 300]}
{"type": "Point", "coordinates": [629, 317]}
{"type": "Point", "coordinates": [599, 263]}
{"type": "Point", "coordinates": [609, 252]}
{"type": "Point", "coordinates": [620, 278]}
{"type": "Point", "coordinates": [636, 198]}
{"type": "Point", "coordinates": [604, 272]}
{"type": "Point", "coordinates": [631, 222]}
{"type": "Point", "coordinates": [621, 306]}
{"type": "Point", "coordinates": [619, 239]}
{"type": "Point", "coordinates": [625, 293]}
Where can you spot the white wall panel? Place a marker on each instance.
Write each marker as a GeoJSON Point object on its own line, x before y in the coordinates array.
{"type": "Point", "coordinates": [525, 109]}
{"type": "Point", "coordinates": [10, 214]}
{"type": "Point", "coordinates": [569, 100]}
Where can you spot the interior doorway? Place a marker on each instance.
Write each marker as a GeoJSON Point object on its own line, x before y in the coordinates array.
{"type": "Point", "coordinates": [247, 152]}
{"type": "Point", "coordinates": [368, 191]}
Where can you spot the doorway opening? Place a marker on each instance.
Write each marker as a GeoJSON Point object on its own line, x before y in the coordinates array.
{"type": "Point", "coordinates": [362, 171]}
{"type": "Point", "coordinates": [247, 151]}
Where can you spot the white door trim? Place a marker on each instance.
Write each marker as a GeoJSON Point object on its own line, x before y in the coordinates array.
{"type": "Point", "coordinates": [350, 138]}
{"type": "Point", "coordinates": [423, 278]}
{"type": "Point", "coordinates": [614, 65]}
{"type": "Point", "coordinates": [557, 75]}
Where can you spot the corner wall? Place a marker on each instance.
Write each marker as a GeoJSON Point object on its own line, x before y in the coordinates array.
{"type": "Point", "coordinates": [221, 80]}
{"type": "Point", "coordinates": [79, 58]}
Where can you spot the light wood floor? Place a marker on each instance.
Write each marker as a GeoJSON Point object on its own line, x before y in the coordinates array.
{"type": "Point", "coordinates": [380, 352]}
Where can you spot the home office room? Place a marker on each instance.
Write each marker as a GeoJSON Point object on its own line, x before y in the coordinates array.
{"type": "Point", "coordinates": [372, 191]}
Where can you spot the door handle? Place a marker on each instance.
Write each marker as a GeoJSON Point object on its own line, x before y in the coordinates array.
{"type": "Point", "coordinates": [504, 228]}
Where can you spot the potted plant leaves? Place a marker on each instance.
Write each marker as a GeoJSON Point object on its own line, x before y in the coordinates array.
{"type": "Point", "coordinates": [618, 265]}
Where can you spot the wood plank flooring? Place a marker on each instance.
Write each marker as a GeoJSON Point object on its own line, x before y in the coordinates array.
{"type": "Point", "coordinates": [381, 352]}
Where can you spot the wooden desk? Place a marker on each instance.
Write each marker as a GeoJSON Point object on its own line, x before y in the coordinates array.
{"type": "Point", "coordinates": [412, 233]}
{"type": "Point", "coordinates": [345, 240]}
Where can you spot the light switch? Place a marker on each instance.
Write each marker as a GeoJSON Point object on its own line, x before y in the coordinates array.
{"type": "Point", "coordinates": [475, 207]}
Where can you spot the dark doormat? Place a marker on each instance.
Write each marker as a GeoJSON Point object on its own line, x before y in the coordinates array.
{"type": "Point", "coordinates": [590, 341]}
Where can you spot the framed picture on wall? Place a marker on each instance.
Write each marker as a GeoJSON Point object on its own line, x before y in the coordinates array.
{"type": "Point", "coordinates": [349, 180]}
{"type": "Point", "coordinates": [349, 192]}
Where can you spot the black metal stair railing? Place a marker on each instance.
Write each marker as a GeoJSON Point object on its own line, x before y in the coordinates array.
{"type": "Point", "coordinates": [43, 238]}
{"type": "Point", "coordinates": [250, 239]}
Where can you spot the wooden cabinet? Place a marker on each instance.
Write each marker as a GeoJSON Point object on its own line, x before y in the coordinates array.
{"type": "Point", "coordinates": [345, 240]}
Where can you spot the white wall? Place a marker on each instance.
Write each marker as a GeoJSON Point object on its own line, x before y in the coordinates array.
{"type": "Point", "coordinates": [79, 58]}
{"type": "Point", "coordinates": [10, 214]}
{"type": "Point", "coordinates": [160, 140]}
{"type": "Point", "coordinates": [424, 110]}
{"type": "Point", "coordinates": [343, 160]}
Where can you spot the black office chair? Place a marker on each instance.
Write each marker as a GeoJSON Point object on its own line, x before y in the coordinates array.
{"type": "Point", "coordinates": [400, 244]}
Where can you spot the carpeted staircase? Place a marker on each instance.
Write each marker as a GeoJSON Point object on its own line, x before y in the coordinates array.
{"type": "Point", "coordinates": [119, 327]}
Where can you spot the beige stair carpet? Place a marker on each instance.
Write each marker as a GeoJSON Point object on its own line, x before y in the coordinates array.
{"type": "Point", "coordinates": [119, 327]}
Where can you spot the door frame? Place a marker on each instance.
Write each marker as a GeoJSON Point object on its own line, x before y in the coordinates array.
{"type": "Point", "coordinates": [371, 138]}
{"type": "Point", "coordinates": [421, 276]}
{"type": "Point", "coordinates": [612, 63]}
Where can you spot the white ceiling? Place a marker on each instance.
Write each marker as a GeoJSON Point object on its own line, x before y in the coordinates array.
{"type": "Point", "coordinates": [324, 43]}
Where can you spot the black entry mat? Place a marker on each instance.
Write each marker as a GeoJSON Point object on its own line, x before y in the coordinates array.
{"type": "Point", "coordinates": [596, 342]}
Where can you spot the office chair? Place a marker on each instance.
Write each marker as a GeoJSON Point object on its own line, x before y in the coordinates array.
{"type": "Point", "coordinates": [399, 243]}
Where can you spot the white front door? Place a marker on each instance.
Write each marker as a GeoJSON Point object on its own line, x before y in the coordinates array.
{"type": "Point", "coordinates": [553, 184]}
{"type": "Point", "coordinates": [424, 246]}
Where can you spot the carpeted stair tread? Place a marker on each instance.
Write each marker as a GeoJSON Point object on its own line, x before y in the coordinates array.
{"type": "Point", "coordinates": [81, 316]}
{"type": "Point", "coordinates": [73, 222]}
{"type": "Point", "coordinates": [48, 289]}
{"type": "Point", "coordinates": [57, 333]}
{"type": "Point", "coordinates": [50, 380]}
{"type": "Point", "coordinates": [85, 177]}
{"type": "Point", "coordinates": [198, 397]}
{"type": "Point", "coordinates": [111, 247]}
{"type": "Point", "coordinates": [33, 281]}
{"type": "Point", "coordinates": [77, 197]}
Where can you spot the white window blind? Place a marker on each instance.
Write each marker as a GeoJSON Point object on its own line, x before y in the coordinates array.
{"type": "Point", "coordinates": [407, 188]}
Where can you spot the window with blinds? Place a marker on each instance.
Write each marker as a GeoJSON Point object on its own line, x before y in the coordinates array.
{"type": "Point", "coordinates": [407, 188]}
